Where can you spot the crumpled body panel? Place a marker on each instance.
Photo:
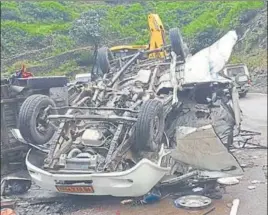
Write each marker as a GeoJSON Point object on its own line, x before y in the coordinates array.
{"type": "Point", "coordinates": [205, 65]}
{"type": "Point", "coordinates": [202, 149]}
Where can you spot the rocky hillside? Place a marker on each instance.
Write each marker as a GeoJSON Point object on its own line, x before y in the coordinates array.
{"type": "Point", "coordinates": [58, 37]}
{"type": "Point", "coordinates": [252, 50]}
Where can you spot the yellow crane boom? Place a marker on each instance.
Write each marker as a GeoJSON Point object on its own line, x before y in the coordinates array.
{"type": "Point", "coordinates": [157, 31]}
{"type": "Point", "coordinates": [157, 39]}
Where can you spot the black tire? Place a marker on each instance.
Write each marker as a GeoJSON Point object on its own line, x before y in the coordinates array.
{"type": "Point", "coordinates": [103, 59]}
{"type": "Point", "coordinates": [27, 122]}
{"type": "Point", "coordinates": [19, 187]}
{"type": "Point", "coordinates": [177, 42]}
{"type": "Point", "coordinates": [47, 82]}
{"type": "Point", "coordinates": [242, 95]}
{"type": "Point", "coordinates": [145, 135]}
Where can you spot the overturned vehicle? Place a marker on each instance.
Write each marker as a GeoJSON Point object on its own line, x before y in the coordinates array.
{"type": "Point", "coordinates": [140, 124]}
{"type": "Point", "coordinates": [14, 91]}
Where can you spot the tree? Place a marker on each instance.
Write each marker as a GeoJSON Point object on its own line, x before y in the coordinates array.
{"type": "Point", "coordinates": [88, 29]}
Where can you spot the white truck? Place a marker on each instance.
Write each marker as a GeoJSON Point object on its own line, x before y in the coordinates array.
{"type": "Point", "coordinates": [240, 75]}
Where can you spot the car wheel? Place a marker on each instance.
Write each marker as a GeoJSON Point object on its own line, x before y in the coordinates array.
{"type": "Point", "coordinates": [103, 59]}
{"type": "Point", "coordinates": [31, 123]}
{"type": "Point", "coordinates": [242, 95]}
{"type": "Point", "coordinates": [177, 44]}
{"type": "Point", "coordinates": [150, 125]}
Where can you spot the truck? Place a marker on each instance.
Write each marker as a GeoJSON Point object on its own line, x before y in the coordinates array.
{"type": "Point", "coordinates": [240, 75]}
{"type": "Point", "coordinates": [15, 89]}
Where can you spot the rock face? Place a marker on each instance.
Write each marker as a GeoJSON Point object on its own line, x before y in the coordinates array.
{"type": "Point", "coordinates": [259, 79]}
{"type": "Point", "coordinates": [259, 27]}
{"type": "Point", "coordinates": [253, 47]}
{"type": "Point", "coordinates": [256, 25]}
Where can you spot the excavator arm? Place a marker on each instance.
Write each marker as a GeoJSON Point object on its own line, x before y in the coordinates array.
{"type": "Point", "coordinates": [157, 40]}
{"type": "Point", "coordinates": [157, 31]}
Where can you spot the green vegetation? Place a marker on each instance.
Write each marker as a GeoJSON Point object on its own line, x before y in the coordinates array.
{"type": "Point", "coordinates": [34, 29]}
{"type": "Point", "coordinates": [125, 20]}
{"type": "Point", "coordinates": [34, 25]}
{"type": "Point", "coordinates": [254, 60]}
{"type": "Point", "coordinates": [64, 69]}
{"type": "Point", "coordinates": [17, 66]}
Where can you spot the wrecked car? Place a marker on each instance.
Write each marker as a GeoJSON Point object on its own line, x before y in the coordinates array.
{"type": "Point", "coordinates": [140, 124]}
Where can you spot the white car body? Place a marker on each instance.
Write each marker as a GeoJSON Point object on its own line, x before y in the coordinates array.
{"type": "Point", "coordinates": [136, 181]}
{"type": "Point", "coordinates": [141, 178]}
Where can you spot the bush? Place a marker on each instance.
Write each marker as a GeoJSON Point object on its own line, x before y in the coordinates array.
{"type": "Point", "coordinates": [85, 59]}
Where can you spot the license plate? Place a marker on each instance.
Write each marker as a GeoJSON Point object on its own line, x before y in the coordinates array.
{"type": "Point", "coordinates": [75, 189]}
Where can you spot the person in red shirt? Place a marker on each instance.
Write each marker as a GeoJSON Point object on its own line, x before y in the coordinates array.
{"type": "Point", "coordinates": [24, 73]}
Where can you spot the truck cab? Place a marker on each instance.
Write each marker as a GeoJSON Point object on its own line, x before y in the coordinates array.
{"type": "Point", "coordinates": [240, 75]}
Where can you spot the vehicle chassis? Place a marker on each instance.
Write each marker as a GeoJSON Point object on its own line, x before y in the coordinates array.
{"type": "Point", "coordinates": [135, 113]}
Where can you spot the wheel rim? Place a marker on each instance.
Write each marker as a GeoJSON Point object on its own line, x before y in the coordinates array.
{"type": "Point", "coordinates": [41, 124]}
{"type": "Point", "coordinates": [156, 125]}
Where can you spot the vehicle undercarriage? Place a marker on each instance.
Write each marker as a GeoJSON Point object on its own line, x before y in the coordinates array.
{"type": "Point", "coordinates": [130, 121]}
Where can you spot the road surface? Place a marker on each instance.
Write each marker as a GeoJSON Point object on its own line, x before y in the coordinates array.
{"type": "Point", "coordinates": [254, 201]}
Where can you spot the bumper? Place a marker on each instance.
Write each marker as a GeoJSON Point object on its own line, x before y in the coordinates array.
{"type": "Point", "coordinates": [133, 182]}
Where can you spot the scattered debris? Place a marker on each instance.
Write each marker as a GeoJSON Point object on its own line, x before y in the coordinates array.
{"type": "Point", "coordinates": [228, 181]}
{"type": "Point", "coordinates": [209, 189]}
{"type": "Point", "coordinates": [249, 165]}
{"type": "Point", "coordinates": [151, 197]}
{"type": "Point", "coordinates": [209, 211]}
{"type": "Point", "coordinates": [197, 189]}
{"type": "Point", "coordinates": [192, 201]}
{"type": "Point", "coordinates": [264, 168]}
{"type": "Point", "coordinates": [251, 187]}
{"type": "Point", "coordinates": [257, 182]}
{"type": "Point", "coordinates": [14, 185]}
{"type": "Point", "coordinates": [127, 201]}
{"type": "Point", "coordinates": [234, 208]}
{"type": "Point", "coordinates": [242, 141]}
{"type": "Point", "coordinates": [214, 195]}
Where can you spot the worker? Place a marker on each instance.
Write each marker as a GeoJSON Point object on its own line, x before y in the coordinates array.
{"type": "Point", "coordinates": [23, 73]}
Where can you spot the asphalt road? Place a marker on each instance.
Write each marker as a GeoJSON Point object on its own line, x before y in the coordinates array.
{"type": "Point", "coordinates": [252, 202]}
{"type": "Point", "coordinates": [254, 107]}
